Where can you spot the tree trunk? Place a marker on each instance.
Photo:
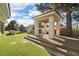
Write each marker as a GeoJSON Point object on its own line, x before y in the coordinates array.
{"type": "Point", "coordinates": [69, 23]}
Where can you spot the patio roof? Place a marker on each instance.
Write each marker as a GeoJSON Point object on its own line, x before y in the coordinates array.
{"type": "Point", "coordinates": [43, 17]}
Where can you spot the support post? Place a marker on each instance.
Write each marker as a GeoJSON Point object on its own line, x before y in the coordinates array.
{"type": "Point", "coordinates": [58, 28]}
{"type": "Point", "coordinates": [51, 27]}
{"type": "Point", "coordinates": [36, 28]}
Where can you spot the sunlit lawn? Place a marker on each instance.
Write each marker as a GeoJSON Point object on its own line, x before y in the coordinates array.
{"type": "Point", "coordinates": [15, 45]}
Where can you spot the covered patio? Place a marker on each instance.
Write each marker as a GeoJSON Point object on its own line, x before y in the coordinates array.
{"type": "Point", "coordinates": [53, 41]}
{"type": "Point", "coordinates": [51, 21]}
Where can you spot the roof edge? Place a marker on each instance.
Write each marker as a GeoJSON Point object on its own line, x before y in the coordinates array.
{"type": "Point", "coordinates": [49, 12]}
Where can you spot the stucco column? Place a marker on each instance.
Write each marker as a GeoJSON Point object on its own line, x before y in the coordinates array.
{"type": "Point", "coordinates": [45, 28]}
{"type": "Point", "coordinates": [51, 27]}
{"type": "Point", "coordinates": [58, 28]}
{"type": "Point", "coordinates": [36, 28]}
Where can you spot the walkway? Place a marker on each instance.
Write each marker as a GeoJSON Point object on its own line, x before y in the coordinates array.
{"type": "Point", "coordinates": [59, 45]}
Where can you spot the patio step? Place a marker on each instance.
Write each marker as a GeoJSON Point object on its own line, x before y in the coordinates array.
{"type": "Point", "coordinates": [48, 47]}
{"type": "Point", "coordinates": [60, 42]}
{"type": "Point", "coordinates": [71, 47]}
{"type": "Point", "coordinates": [64, 37]}
{"type": "Point", "coordinates": [57, 47]}
{"type": "Point", "coordinates": [72, 43]}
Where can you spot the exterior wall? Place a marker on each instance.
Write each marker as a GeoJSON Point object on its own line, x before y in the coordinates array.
{"type": "Point", "coordinates": [0, 28]}
{"type": "Point", "coordinates": [4, 14]}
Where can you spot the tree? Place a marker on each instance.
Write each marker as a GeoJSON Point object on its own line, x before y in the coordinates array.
{"type": "Point", "coordinates": [13, 25]}
{"type": "Point", "coordinates": [22, 28]}
{"type": "Point", "coordinates": [60, 7]}
{"type": "Point", "coordinates": [76, 16]}
{"type": "Point", "coordinates": [30, 29]}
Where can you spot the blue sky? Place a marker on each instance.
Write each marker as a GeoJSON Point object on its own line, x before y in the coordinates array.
{"type": "Point", "coordinates": [23, 13]}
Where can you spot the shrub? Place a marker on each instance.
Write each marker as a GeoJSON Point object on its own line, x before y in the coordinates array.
{"type": "Point", "coordinates": [11, 32]}
{"type": "Point", "coordinates": [76, 33]}
{"type": "Point", "coordinates": [17, 32]}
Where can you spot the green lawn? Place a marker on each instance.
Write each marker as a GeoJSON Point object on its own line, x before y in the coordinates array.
{"type": "Point", "coordinates": [15, 45]}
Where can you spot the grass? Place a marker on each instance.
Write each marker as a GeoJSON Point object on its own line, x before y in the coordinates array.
{"type": "Point", "coordinates": [15, 45]}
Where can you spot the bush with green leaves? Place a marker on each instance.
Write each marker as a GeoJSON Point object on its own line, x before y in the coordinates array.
{"type": "Point", "coordinates": [76, 33]}
{"type": "Point", "coordinates": [11, 32]}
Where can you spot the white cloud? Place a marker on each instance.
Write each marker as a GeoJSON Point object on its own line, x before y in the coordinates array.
{"type": "Point", "coordinates": [35, 8]}
{"type": "Point", "coordinates": [25, 22]}
{"type": "Point", "coordinates": [16, 6]}
{"type": "Point", "coordinates": [10, 19]}
{"type": "Point", "coordinates": [33, 13]}
{"type": "Point", "coordinates": [26, 17]}
{"type": "Point", "coordinates": [13, 13]}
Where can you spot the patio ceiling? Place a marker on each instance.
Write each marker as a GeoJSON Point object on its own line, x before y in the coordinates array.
{"type": "Point", "coordinates": [4, 11]}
